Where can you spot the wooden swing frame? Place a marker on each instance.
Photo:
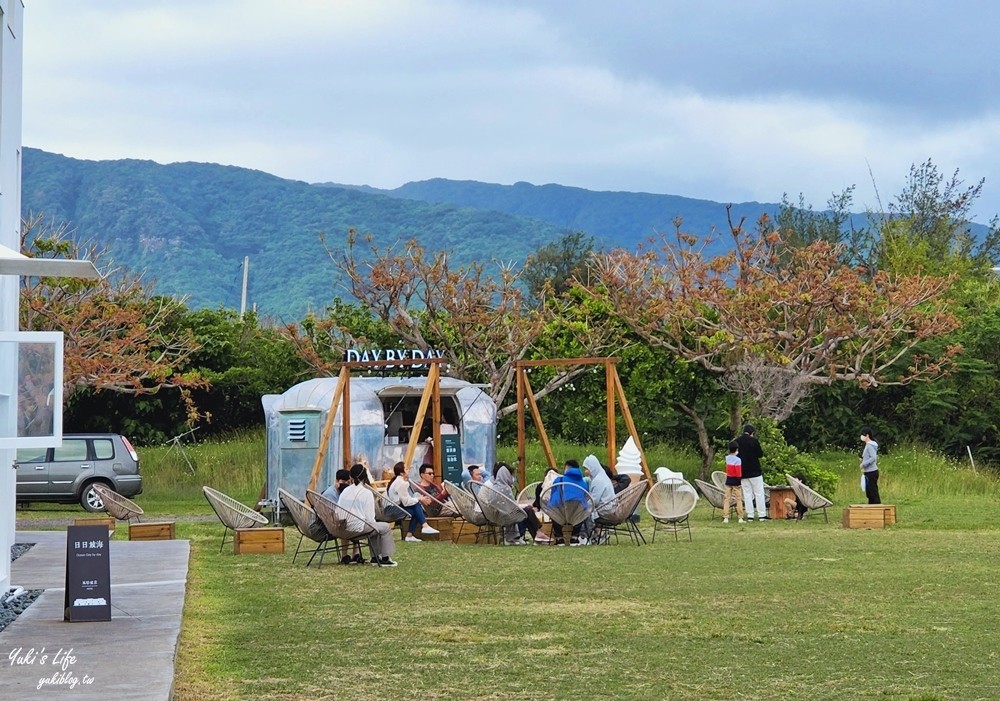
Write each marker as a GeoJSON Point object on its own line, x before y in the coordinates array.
{"type": "Point", "coordinates": [613, 384]}
{"type": "Point", "coordinates": [430, 397]}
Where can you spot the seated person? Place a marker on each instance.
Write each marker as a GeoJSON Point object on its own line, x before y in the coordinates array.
{"type": "Point", "coordinates": [794, 509]}
{"type": "Point", "coordinates": [503, 480]}
{"type": "Point", "coordinates": [360, 502]}
{"type": "Point", "coordinates": [574, 488]}
{"type": "Point", "coordinates": [399, 491]}
{"type": "Point", "coordinates": [440, 504]}
{"type": "Point", "coordinates": [475, 473]}
{"type": "Point", "coordinates": [602, 491]}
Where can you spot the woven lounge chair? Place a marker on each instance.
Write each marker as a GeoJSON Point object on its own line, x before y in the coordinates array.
{"type": "Point", "coordinates": [232, 513]}
{"type": "Point", "coordinates": [468, 508]}
{"type": "Point", "coordinates": [436, 507]}
{"type": "Point", "coordinates": [309, 526]}
{"type": "Point", "coordinates": [526, 497]}
{"type": "Point", "coordinates": [712, 493]}
{"type": "Point", "coordinates": [719, 479]}
{"type": "Point", "coordinates": [669, 503]}
{"type": "Point", "coordinates": [386, 510]}
{"type": "Point", "coordinates": [343, 524]}
{"type": "Point", "coordinates": [808, 497]}
{"type": "Point", "coordinates": [615, 517]}
{"type": "Point", "coordinates": [117, 506]}
{"type": "Point", "coordinates": [500, 510]}
{"type": "Point", "coordinates": [567, 505]}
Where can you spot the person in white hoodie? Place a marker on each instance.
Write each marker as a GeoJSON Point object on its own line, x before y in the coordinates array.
{"type": "Point", "coordinates": [602, 490]}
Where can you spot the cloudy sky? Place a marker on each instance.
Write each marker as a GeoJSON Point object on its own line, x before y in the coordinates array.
{"type": "Point", "coordinates": [726, 100]}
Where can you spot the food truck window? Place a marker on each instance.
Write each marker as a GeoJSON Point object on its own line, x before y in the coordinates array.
{"type": "Point", "coordinates": [400, 414]}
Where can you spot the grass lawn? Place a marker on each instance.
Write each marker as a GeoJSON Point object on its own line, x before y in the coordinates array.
{"type": "Point", "coordinates": [779, 610]}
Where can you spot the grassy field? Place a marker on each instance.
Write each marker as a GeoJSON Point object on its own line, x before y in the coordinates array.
{"type": "Point", "coordinates": [779, 610]}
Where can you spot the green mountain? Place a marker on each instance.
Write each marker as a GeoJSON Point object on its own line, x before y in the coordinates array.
{"type": "Point", "coordinates": [189, 225]}
{"type": "Point", "coordinates": [614, 218]}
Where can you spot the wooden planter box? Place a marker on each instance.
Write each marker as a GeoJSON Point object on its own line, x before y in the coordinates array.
{"type": "Point", "coordinates": [259, 540]}
{"type": "Point", "coordinates": [869, 515]}
{"type": "Point", "coordinates": [108, 522]}
{"type": "Point", "coordinates": [164, 530]}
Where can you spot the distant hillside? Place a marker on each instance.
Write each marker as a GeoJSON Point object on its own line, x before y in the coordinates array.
{"type": "Point", "coordinates": [614, 218]}
{"type": "Point", "coordinates": [190, 224]}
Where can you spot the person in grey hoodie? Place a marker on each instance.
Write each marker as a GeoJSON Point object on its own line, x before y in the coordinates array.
{"type": "Point", "coordinates": [869, 466]}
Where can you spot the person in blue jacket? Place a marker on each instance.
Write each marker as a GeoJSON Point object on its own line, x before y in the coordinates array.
{"type": "Point", "coordinates": [568, 487]}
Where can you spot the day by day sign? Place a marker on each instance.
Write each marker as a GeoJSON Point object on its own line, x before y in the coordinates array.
{"type": "Point", "coordinates": [88, 574]}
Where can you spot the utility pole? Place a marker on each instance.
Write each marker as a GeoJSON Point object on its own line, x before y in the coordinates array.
{"type": "Point", "coordinates": [243, 297]}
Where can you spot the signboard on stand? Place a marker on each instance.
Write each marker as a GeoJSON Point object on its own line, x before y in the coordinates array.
{"type": "Point", "coordinates": [451, 458]}
{"type": "Point", "coordinates": [88, 574]}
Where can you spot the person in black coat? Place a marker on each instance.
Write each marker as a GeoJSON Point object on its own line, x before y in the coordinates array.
{"type": "Point", "coordinates": [752, 481]}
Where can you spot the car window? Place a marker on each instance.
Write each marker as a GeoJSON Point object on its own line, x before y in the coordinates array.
{"type": "Point", "coordinates": [71, 449]}
{"type": "Point", "coordinates": [31, 454]}
{"type": "Point", "coordinates": [103, 449]}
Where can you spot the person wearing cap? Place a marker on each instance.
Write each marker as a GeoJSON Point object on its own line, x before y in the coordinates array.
{"type": "Point", "coordinates": [752, 481]}
{"type": "Point", "coordinates": [358, 500]}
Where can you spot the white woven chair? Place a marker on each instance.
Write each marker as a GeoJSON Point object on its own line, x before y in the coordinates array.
{"type": "Point", "coordinates": [117, 506]}
{"type": "Point", "coordinates": [719, 479]}
{"type": "Point", "coordinates": [669, 503]}
{"type": "Point", "coordinates": [808, 497]}
{"type": "Point", "coordinates": [232, 513]}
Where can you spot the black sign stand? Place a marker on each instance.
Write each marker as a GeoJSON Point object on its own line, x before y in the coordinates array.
{"type": "Point", "coordinates": [451, 458]}
{"type": "Point", "coordinates": [88, 574]}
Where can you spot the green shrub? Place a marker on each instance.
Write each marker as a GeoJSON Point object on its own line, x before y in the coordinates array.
{"type": "Point", "coordinates": [781, 459]}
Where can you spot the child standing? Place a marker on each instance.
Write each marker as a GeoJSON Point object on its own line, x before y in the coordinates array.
{"type": "Point", "coordinates": [734, 473]}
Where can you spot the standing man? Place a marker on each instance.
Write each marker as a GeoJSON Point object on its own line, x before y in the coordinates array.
{"type": "Point", "coordinates": [869, 466]}
{"type": "Point", "coordinates": [752, 480]}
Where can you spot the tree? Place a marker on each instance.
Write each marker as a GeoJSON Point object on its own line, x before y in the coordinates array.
{"type": "Point", "coordinates": [552, 269]}
{"type": "Point", "coordinates": [772, 321]}
{"type": "Point", "coordinates": [479, 320]}
{"type": "Point", "coordinates": [114, 328]}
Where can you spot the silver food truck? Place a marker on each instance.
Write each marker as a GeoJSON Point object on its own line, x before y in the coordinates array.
{"type": "Point", "coordinates": [383, 411]}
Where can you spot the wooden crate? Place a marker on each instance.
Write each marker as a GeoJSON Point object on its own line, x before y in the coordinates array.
{"type": "Point", "coordinates": [442, 523]}
{"type": "Point", "coordinates": [259, 540]}
{"type": "Point", "coordinates": [109, 522]}
{"type": "Point", "coordinates": [163, 530]}
{"type": "Point", "coordinates": [869, 515]}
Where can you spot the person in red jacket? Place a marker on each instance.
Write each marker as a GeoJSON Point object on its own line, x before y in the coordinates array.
{"type": "Point", "coordinates": [734, 473]}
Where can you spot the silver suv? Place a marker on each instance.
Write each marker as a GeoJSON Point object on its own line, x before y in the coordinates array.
{"type": "Point", "coordinates": [69, 473]}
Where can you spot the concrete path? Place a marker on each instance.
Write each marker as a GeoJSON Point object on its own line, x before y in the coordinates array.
{"type": "Point", "coordinates": [130, 657]}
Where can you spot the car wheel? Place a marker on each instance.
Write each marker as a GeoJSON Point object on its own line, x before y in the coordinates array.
{"type": "Point", "coordinates": [89, 499]}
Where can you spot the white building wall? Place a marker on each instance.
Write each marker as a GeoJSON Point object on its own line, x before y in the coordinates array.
{"type": "Point", "coordinates": [10, 225]}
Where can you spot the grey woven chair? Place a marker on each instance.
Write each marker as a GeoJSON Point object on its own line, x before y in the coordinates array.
{"type": "Point", "coordinates": [436, 507]}
{"type": "Point", "coordinates": [669, 503]}
{"type": "Point", "coordinates": [719, 479]}
{"type": "Point", "coordinates": [713, 494]}
{"type": "Point", "coordinates": [808, 497]}
{"type": "Point", "coordinates": [501, 511]}
{"type": "Point", "coordinates": [567, 505]}
{"type": "Point", "coordinates": [386, 510]}
{"type": "Point", "coordinates": [615, 516]}
{"type": "Point", "coordinates": [468, 508]}
{"type": "Point", "coordinates": [117, 506]}
{"type": "Point", "coordinates": [309, 526]}
{"type": "Point", "coordinates": [343, 524]}
{"type": "Point", "coordinates": [232, 513]}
